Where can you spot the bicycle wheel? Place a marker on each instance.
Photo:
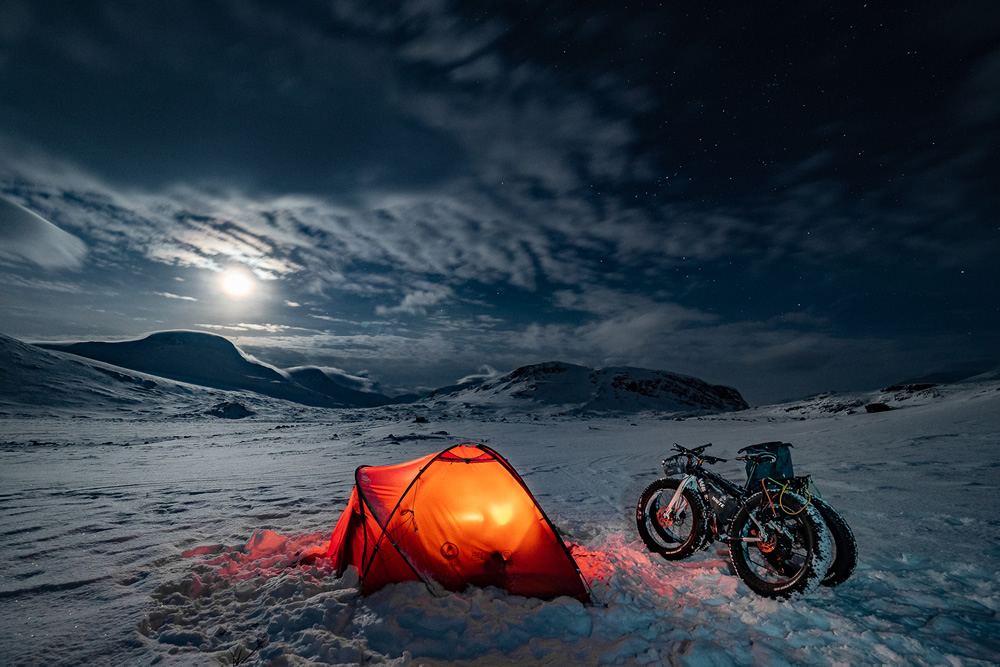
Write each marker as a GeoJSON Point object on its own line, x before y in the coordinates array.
{"type": "Point", "coordinates": [673, 534]}
{"type": "Point", "coordinates": [780, 550]}
{"type": "Point", "coordinates": [845, 547]}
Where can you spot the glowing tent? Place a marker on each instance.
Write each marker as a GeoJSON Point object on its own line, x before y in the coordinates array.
{"type": "Point", "coordinates": [457, 518]}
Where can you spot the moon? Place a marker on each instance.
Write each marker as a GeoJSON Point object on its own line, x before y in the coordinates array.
{"type": "Point", "coordinates": [237, 283]}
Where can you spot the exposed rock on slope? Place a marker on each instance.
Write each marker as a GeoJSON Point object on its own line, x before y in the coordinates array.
{"type": "Point", "coordinates": [616, 389]}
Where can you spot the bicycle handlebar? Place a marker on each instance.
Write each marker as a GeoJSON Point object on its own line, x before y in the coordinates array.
{"type": "Point", "coordinates": [696, 453]}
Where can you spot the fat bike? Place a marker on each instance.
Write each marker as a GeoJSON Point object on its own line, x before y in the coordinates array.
{"type": "Point", "coordinates": [784, 541]}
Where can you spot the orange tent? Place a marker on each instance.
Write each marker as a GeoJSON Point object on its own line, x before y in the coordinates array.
{"type": "Point", "coordinates": [453, 519]}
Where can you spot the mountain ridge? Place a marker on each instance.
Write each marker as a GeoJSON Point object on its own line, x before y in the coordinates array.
{"type": "Point", "coordinates": [55, 375]}
{"type": "Point", "coordinates": [198, 358]}
{"type": "Point", "coordinates": [211, 360]}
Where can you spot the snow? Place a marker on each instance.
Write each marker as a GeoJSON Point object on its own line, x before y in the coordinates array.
{"type": "Point", "coordinates": [138, 535]}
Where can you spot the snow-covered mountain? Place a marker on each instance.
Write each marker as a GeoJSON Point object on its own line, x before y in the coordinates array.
{"type": "Point", "coordinates": [214, 361]}
{"type": "Point", "coordinates": [39, 382]}
{"type": "Point", "coordinates": [615, 389]}
{"type": "Point", "coordinates": [209, 360]}
{"type": "Point", "coordinates": [908, 394]}
{"type": "Point", "coordinates": [34, 377]}
{"type": "Point", "coordinates": [320, 381]}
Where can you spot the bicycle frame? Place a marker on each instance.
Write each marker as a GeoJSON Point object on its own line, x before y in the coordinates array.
{"type": "Point", "coordinates": [696, 478]}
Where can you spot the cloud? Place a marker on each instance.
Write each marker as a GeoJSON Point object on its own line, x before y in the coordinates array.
{"type": "Point", "coordinates": [532, 149]}
{"type": "Point", "coordinates": [63, 286]}
{"type": "Point", "coordinates": [177, 228]}
{"type": "Point", "coordinates": [486, 372]}
{"type": "Point", "coordinates": [27, 236]}
{"type": "Point", "coordinates": [176, 296]}
{"type": "Point", "coordinates": [328, 318]}
{"type": "Point", "coordinates": [405, 361]}
{"type": "Point", "coordinates": [211, 63]}
{"type": "Point", "coordinates": [499, 208]}
{"type": "Point", "coordinates": [417, 302]}
{"type": "Point", "coordinates": [358, 380]}
{"type": "Point", "coordinates": [264, 328]}
{"type": "Point", "coordinates": [630, 312]}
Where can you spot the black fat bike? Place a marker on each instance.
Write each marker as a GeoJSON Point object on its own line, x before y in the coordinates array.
{"type": "Point", "coordinates": [783, 541]}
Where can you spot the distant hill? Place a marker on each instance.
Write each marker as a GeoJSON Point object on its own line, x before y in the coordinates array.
{"type": "Point", "coordinates": [214, 361]}
{"type": "Point", "coordinates": [319, 381]}
{"type": "Point", "coordinates": [42, 381]}
{"type": "Point", "coordinates": [616, 389]}
{"type": "Point", "coordinates": [183, 373]}
{"type": "Point", "coordinates": [209, 360]}
{"type": "Point", "coordinates": [895, 396]}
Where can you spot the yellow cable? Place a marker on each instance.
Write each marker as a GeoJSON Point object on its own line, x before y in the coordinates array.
{"type": "Point", "coordinates": [784, 488]}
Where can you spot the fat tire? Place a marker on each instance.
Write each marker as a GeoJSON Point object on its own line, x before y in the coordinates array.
{"type": "Point", "coordinates": [693, 513]}
{"type": "Point", "coordinates": [845, 547]}
{"type": "Point", "coordinates": [812, 540]}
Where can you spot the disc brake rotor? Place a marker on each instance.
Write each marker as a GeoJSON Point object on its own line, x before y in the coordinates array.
{"type": "Point", "coordinates": [664, 517]}
{"type": "Point", "coordinates": [767, 545]}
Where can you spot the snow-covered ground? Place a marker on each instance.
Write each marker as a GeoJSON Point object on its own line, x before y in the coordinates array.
{"type": "Point", "coordinates": [145, 538]}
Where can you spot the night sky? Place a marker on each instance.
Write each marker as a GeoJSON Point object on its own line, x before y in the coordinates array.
{"type": "Point", "coordinates": [788, 198]}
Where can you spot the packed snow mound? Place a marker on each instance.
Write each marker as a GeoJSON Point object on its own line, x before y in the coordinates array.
{"type": "Point", "coordinates": [200, 358]}
{"type": "Point", "coordinates": [613, 389]}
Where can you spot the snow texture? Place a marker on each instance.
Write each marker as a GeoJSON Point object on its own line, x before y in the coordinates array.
{"type": "Point", "coordinates": [139, 529]}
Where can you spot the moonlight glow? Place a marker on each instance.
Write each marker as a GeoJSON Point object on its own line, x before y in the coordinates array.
{"type": "Point", "coordinates": [237, 283]}
{"type": "Point", "coordinates": [463, 195]}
